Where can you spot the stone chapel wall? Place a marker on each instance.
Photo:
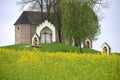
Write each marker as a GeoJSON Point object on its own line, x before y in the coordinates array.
{"type": "Point", "coordinates": [22, 34]}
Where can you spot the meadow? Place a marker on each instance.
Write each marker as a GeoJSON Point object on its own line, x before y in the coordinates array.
{"type": "Point", "coordinates": [51, 47]}
{"type": "Point", "coordinates": [34, 64]}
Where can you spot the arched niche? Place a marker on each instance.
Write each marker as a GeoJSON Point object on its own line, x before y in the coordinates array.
{"type": "Point", "coordinates": [35, 40]}
{"type": "Point", "coordinates": [88, 43]}
{"type": "Point", "coordinates": [105, 50]}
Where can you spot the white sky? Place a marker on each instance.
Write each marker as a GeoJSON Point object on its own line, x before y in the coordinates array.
{"type": "Point", "coordinates": [110, 24]}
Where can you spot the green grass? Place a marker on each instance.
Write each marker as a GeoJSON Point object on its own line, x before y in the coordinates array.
{"type": "Point", "coordinates": [52, 47]}
{"type": "Point", "coordinates": [16, 46]}
{"type": "Point", "coordinates": [37, 65]}
{"type": "Point", "coordinates": [58, 47]}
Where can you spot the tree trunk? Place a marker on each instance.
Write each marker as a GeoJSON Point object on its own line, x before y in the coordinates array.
{"type": "Point", "coordinates": [59, 36]}
{"type": "Point", "coordinates": [41, 7]}
{"type": "Point", "coordinates": [76, 43]}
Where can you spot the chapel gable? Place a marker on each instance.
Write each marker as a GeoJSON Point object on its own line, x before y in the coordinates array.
{"type": "Point", "coordinates": [47, 32]}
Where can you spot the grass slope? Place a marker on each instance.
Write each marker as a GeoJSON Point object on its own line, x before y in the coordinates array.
{"type": "Point", "coordinates": [52, 47]}
{"type": "Point", "coordinates": [37, 65]}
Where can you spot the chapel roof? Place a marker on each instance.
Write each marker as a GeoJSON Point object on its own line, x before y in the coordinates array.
{"type": "Point", "coordinates": [29, 17]}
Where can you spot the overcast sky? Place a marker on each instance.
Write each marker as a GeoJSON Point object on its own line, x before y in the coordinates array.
{"type": "Point", "coordinates": [110, 24]}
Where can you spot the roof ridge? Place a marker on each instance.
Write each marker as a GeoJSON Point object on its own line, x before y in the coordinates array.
{"type": "Point", "coordinates": [32, 11]}
{"type": "Point", "coordinates": [30, 17]}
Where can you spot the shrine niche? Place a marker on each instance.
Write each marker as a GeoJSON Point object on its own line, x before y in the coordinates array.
{"type": "Point", "coordinates": [88, 43]}
{"type": "Point", "coordinates": [35, 40]}
{"type": "Point", "coordinates": [106, 49]}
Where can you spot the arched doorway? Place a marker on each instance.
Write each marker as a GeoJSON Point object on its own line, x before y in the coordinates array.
{"type": "Point", "coordinates": [46, 35]}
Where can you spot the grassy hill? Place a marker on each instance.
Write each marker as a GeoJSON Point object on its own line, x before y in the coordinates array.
{"type": "Point", "coordinates": [51, 47]}
{"type": "Point", "coordinates": [56, 62]}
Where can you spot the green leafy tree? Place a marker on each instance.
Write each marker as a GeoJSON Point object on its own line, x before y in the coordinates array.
{"type": "Point", "coordinates": [79, 21]}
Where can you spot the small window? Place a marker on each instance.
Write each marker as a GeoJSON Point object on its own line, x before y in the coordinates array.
{"type": "Point", "coordinates": [18, 28]}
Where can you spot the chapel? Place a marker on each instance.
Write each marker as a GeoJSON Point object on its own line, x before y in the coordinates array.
{"type": "Point", "coordinates": [31, 29]}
